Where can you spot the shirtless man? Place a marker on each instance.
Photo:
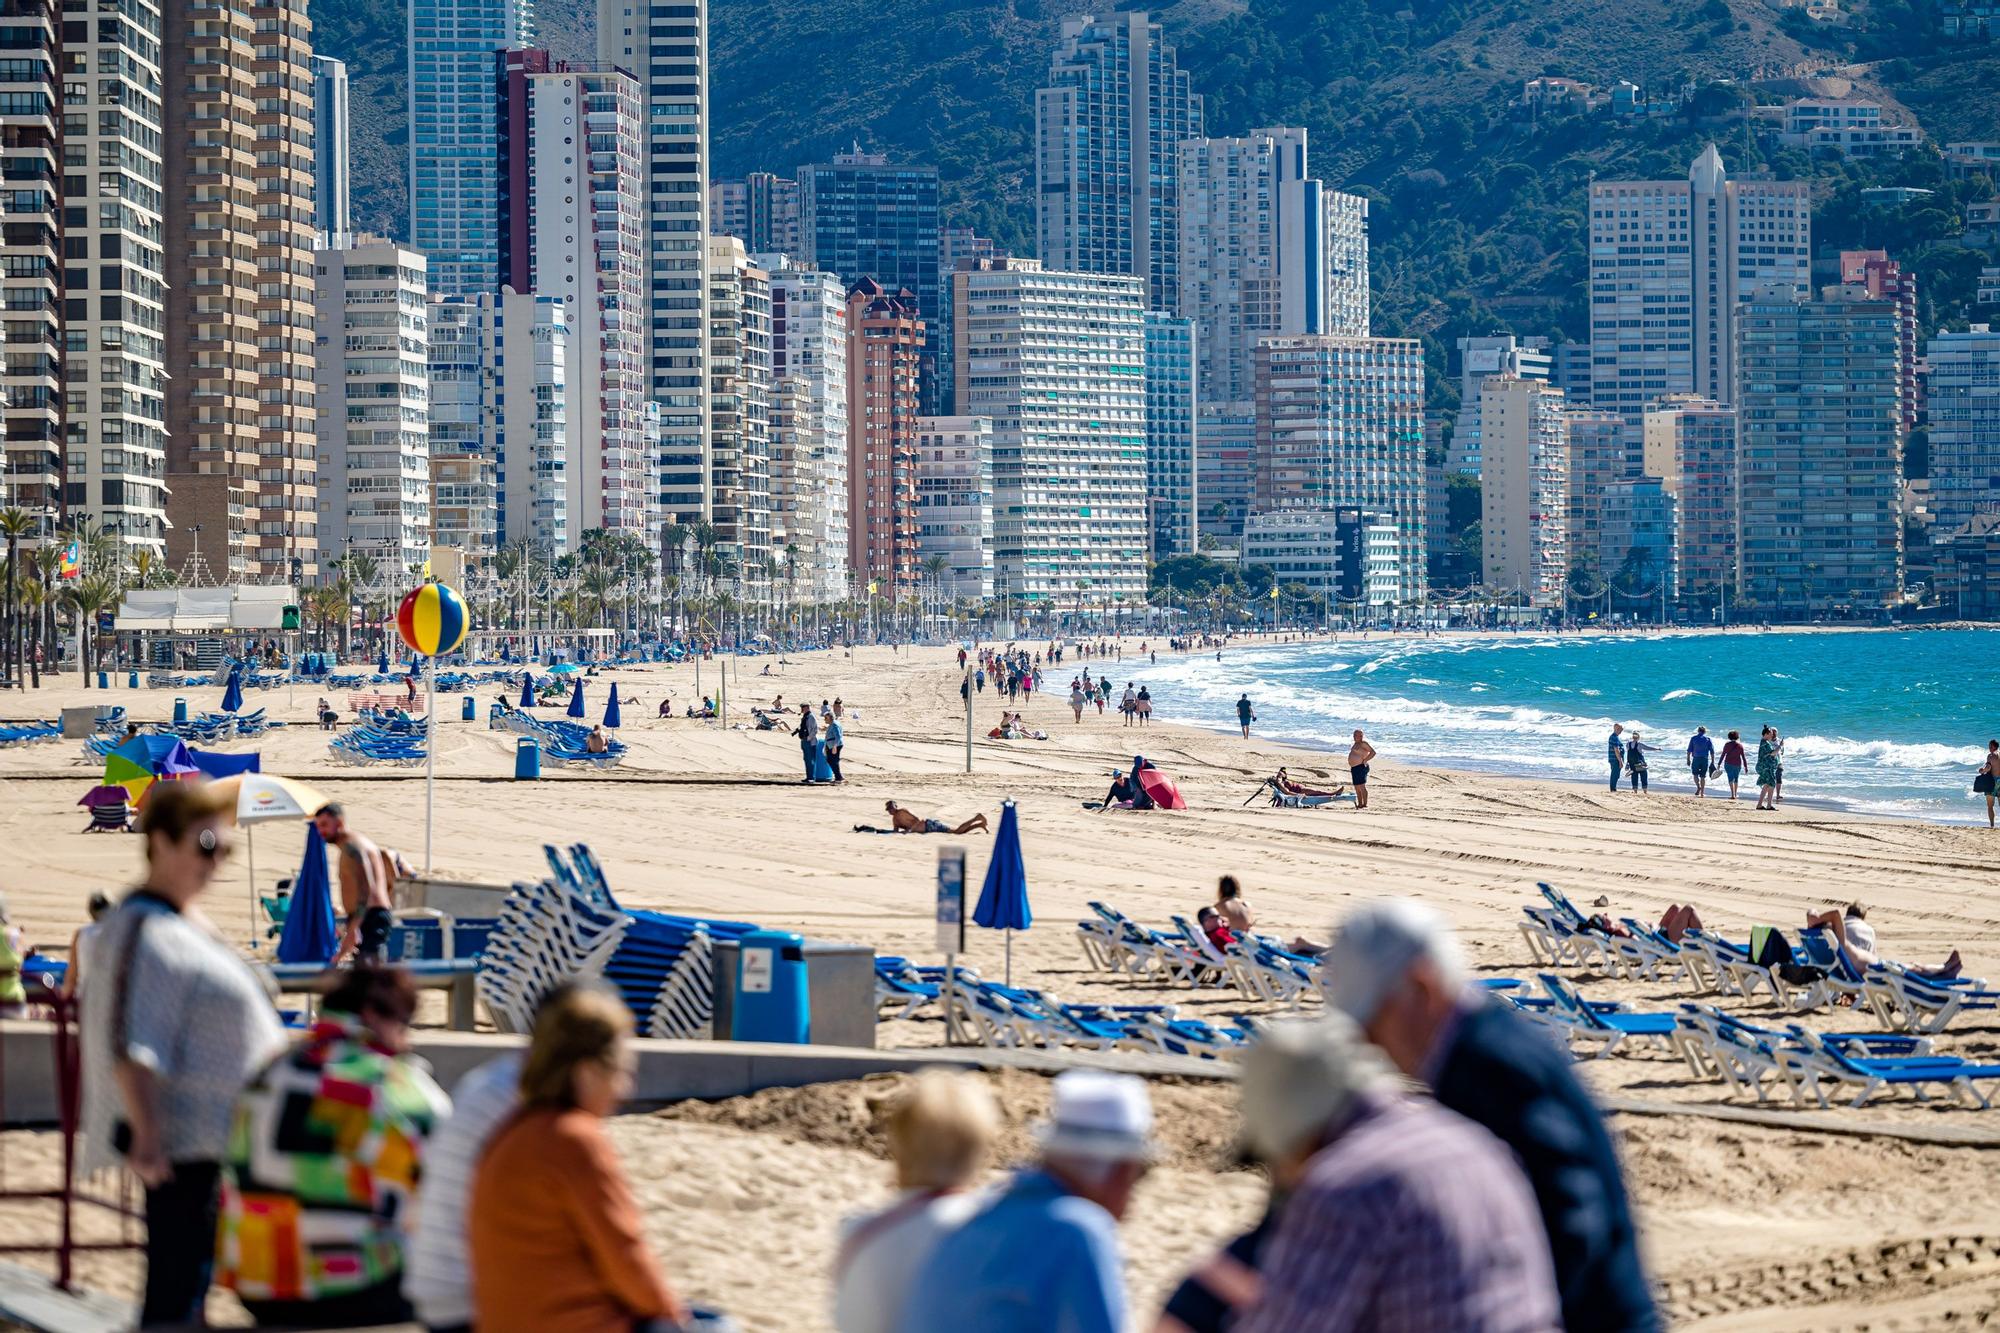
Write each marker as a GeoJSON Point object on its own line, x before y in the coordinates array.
{"type": "Point", "coordinates": [906, 822]}
{"type": "Point", "coordinates": [366, 872]}
{"type": "Point", "coordinates": [1359, 756]}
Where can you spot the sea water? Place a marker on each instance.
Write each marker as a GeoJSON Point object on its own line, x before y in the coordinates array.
{"type": "Point", "coordinates": [1890, 722]}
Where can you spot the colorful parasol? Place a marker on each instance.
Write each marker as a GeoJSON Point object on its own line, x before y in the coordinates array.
{"type": "Point", "coordinates": [144, 760]}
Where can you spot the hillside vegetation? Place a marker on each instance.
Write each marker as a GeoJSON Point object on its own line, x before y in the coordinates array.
{"type": "Point", "coordinates": [1477, 213]}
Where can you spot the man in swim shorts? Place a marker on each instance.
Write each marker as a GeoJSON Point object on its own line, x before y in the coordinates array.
{"type": "Point", "coordinates": [1359, 756]}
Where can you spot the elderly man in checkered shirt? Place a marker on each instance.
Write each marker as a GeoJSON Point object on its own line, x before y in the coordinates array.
{"type": "Point", "coordinates": [1402, 1217]}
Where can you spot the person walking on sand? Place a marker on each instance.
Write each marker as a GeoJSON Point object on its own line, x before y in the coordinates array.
{"type": "Point", "coordinates": [1767, 769]}
{"type": "Point", "coordinates": [1733, 761]}
{"type": "Point", "coordinates": [1615, 751]}
{"type": "Point", "coordinates": [808, 733]}
{"type": "Point", "coordinates": [1245, 715]}
{"type": "Point", "coordinates": [1076, 701]}
{"type": "Point", "coordinates": [1988, 778]}
{"type": "Point", "coordinates": [1359, 756]}
{"type": "Point", "coordinates": [1129, 704]}
{"type": "Point", "coordinates": [1700, 755]}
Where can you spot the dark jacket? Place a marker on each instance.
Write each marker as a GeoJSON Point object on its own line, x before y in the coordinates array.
{"type": "Point", "coordinates": [1518, 1083]}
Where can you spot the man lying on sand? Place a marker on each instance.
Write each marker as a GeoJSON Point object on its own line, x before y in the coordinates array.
{"type": "Point", "coordinates": [906, 822]}
{"type": "Point", "coordinates": [1292, 788]}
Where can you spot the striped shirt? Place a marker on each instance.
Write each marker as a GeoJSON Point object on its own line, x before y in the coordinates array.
{"type": "Point", "coordinates": [1413, 1220]}
{"type": "Point", "coordinates": [438, 1275]}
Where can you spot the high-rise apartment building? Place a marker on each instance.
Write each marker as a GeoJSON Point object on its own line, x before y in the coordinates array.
{"type": "Point", "coordinates": [113, 413]}
{"type": "Point", "coordinates": [956, 246]}
{"type": "Point", "coordinates": [333, 203]}
{"type": "Point", "coordinates": [1351, 556]}
{"type": "Point", "coordinates": [1819, 452]}
{"type": "Point", "coordinates": [1340, 424]}
{"type": "Point", "coordinates": [885, 356]}
{"type": "Point", "coordinates": [1057, 360]}
{"type": "Point", "coordinates": [809, 442]}
{"type": "Point", "coordinates": [1569, 370]}
{"type": "Point", "coordinates": [33, 158]}
{"type": "Point", "coordinates": [238, 237]}
{"type": "Point", "coordinates": [1173, 499]}
{"type": "Point", "coordinates": [1642, 546]}
{"type": "Point", "coordinates": [761, 210]}
{"type": "Point", "coordinates": [1225, 447]}
{"type": "Point", "coordinates": [1108, 129]}
{"type": "Point", "coordinates": [955, 503]}
{"type": "Point", "coordinates": [571, 225]}
{"type": "Point", "coordinates": [1671, 264]}
{"type": "Point", "coordinates": [373, 396]}
{"type": "Point", "coordinates": [1964, 426]}
{"type": "Point", "coordinates": [665, 44]}
{"type": "Point", "coordinates": [1255, 253]}
{"type": "Point", "coordinates": [1524, 489]}
{"type": "Point", "coordinates": [500, 388]}
{"type": "Point", "coordinates": [1883, 279]}
{"type": "Point", "coordinates": [1599, 456]}
{"type": "Point", "coordinates": [455, 163]}
{"type": "Point", "coordinates": [863, 218]}
{"type": "Point", "coordinates": [1479, 357]}
{"type": "Point", "coordinates": [1690, 445]}
{"type": "Point", "coordinates": [739, 395]}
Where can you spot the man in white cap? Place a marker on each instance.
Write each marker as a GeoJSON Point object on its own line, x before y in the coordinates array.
{"type": "Point", "coordinates": [1043, 1256]}
{"type": "Point", "coordinates": [1401, 1217]}
{"type": "Point", "coordinates": [1395, 969]}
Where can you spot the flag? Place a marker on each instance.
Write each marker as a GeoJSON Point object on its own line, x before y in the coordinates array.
{"type": "Point", "coordinates": [71, 566]}
{"type": "Point", "coordinates": [1274, 592]}
{"type": "Point", "coordinates": [872, 585]}
{"type": "Point", "coordinates": [427, 569]}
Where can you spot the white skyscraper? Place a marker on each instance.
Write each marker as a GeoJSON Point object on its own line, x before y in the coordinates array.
{"type": "Point", "coordinates": [808, 428]}
{"type": "Point", "coordinates": [1965, 426]}
{"type": "Point", "coordinates": [1265, 249]}
{"type": "Point", "coordinates": [1172, 490]}
{"type": "Point", "coordinates": [571, 226]}
{"type": "Point", "coordinates": [665, 43]}
{"type": "Point", "coordinates": [955, 503]}
{"type": "Point", "coordinates": [373, 394]}
{"type": "Point", "coordinates": [332, 179]}
{"type": "Point", "coordinates": [1479, 357]}
{"type": "Point", "coordinates": [1057, 360]}
{"type": "Point", "coordinates": [1671, 263]}
{"type": "Point", "coordinates": [1524, 489]}
{"type": "Point", "coordinates": [739, 363]}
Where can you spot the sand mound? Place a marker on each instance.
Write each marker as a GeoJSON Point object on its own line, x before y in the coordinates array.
{"type": "Point", "coordinates": [1195, 1121]}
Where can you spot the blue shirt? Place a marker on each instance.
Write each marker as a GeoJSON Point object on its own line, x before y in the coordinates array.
{"type": "Point", "coordinates": [1617, 754]}
{"type": "Point", "coordinates": [1700, 748]}
{"type": "Point", "coordinates": [1036, 1260]}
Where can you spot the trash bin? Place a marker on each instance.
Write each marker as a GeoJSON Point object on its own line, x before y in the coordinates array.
{"type": "Point", "coordinates": [771, 999]}
{"type": "Point", "coordinates": [468, 709]}
{"type": "Point", "coordinates": [132, 681]}
{"type": "Point", "coordinates": [527, 759]}
{"type": "Point", "coordinates": [180, 710]}
{"type": "Point", "coordinates": [104, 680]}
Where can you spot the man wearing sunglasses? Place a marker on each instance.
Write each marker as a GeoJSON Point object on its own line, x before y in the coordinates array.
{"type": "Point", "coordinates": [176, 1025]}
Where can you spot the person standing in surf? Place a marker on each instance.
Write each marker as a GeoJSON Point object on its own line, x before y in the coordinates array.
{"type": "Point", "coordinates": [1615, 752]}
{"type": "Point", "coordinates": [1359, 756]}
{"type": "Point", "coordinates": [1767, 769]}
{"type": "Point", "coordinates": [1245, 715]}
{"type": "Point", "coordinates": [1733, 761]}
{"type": "Point", "coordinates": [1988, 778]}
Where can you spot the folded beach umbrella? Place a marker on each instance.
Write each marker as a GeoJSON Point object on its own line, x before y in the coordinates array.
{"type": "Point", "coordinates": [527, 689]}
{"type": "Point", "coordinates": [143, 760]}
{"type": "Point", "coordinates": [611, 715]}
{"type": "Point", "coordinates": [105, 795]}
{"type": "Point", "coordinates": [310, 935]}
{"type": "Point", "coordinates": [232, 693]}
{"type": "Point", "coordinates": [576, 700]}
{"type": "Point", "coordinates": [382, 663]}
{"type": "Point", "coordinates": [1003, 902]}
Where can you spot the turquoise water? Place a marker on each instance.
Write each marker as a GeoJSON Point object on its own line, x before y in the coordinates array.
{"type": "Point", "coordinates": [1891, 723]}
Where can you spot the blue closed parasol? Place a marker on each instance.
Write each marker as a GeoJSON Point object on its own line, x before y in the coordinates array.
{"type": "Point", "coordinates": [232, 692]}
{"type": "Point", "coordinates": [310, 935]}
{"type": "Point", "coordinates": [1003, 901]}
{"type": "Point", "coordinates": [382, 663]}
{"type": "Point", "coordinates": [527, 689]}
{"type": "Point", "coordinates": [576, 699]}
{"type": "Point", "coordinates": [611, 715]}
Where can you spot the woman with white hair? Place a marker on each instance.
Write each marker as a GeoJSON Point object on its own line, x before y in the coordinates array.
{"type": "Point", "coordinates": [941, 1133]}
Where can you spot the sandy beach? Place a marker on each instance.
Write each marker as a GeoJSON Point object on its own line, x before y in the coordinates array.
{"type": "Point", "coordinates": [1851, 1215]}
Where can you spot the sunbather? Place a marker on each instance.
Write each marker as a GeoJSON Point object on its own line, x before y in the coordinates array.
{"type": "Point", "coordinates": [907, 822]}
{"type": "Point", "coordinates": [1231, 907]}
{"type": "Point", "coordinates": [1678, 921]}
{"type": "Point", "coordinates": [1290, 787]}
{"type": "Point", "coordinates": [1850, 926]}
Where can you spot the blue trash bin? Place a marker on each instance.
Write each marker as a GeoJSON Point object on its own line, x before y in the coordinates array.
{"type": "Point", "coordinates": [180, 710]}
{"type": "Point", "coordinates": [468, 709]}
{"type": "Point", "coordinates": [132, 681]}
{"type": "Point", "coordinates": [527, 759]}
{"type": "Point", "coordinates": [104, 680]}
{"type": "Point", "coordinates": [771, 1003]}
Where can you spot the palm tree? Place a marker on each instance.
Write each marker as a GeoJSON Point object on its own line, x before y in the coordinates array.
{"type": "Point", "coordinates": [15, 523]}
{"type": "Point", "coordinates": [86, 598]}
{"type": "Point", "coordinates": [30, 595]}
{"type": "Point", "coordinates": [598, 584]}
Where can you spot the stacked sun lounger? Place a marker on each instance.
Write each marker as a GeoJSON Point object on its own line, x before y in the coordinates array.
{"type": "Point", "coordinates": [29, 733]}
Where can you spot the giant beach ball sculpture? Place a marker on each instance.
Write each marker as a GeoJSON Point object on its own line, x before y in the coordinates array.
{"type": "Point", "coordinates": [433, 620]}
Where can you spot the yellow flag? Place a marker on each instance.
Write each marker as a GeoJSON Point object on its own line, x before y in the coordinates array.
{"type": "Point", "coordinates": [427, 568]}
{"type": "Point", "coordinates": [871, 586]}
{"type": "Point", "coordinates": [1274, 592]}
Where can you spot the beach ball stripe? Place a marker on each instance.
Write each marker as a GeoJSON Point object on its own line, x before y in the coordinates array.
{"type": "Point", "coordinates": [433, 620]}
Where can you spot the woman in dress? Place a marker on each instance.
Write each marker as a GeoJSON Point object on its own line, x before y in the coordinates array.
{"type": "Point", "coordinates": [1767, 769]}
